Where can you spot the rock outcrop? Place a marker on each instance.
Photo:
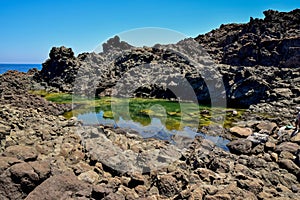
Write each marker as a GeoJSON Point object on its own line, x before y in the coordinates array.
{"type": "Point", "coordinates": [60, 69]}
{"type": "Point", "coordinates": [272, 45]}
{"type": "Point", "coordinates": [114, 44]}
{"type": "Point", "coordinates": [272, 41]}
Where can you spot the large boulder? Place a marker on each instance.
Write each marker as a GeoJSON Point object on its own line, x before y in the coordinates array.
{"type": "Point", "coordinates": [60, 69]}
{"type": "Point", "coordinates": [64, 186]}
{"type": "Point", "coordinates": [21, 152]}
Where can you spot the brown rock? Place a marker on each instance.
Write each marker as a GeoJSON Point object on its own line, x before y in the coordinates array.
{"type": "Point", "coordinates": [218, 197]}
{"type": "Point", "coordinates": [25, 153]}
{"type": "Point", "coordinates": [286, 155]}
{"type": "Point", "coordinates": [270, 145]}
{"type": "Point", "coordinates": [76, 157]}
{"type": "Point", "coordinates": [64, 186]}
{"type": "Point", "coordinates": [4, 130]}
{"type": "Point", "coordinates": [267, 126]}
{"type": "Point", "coordinates": [290, 166]}
{"type": "Point", "coordinates": [296, 138]}
{"type": "Point", "coordinates": [288, 146]}
{"type": "Point", "coordinates": [89, 176]}
{"type": "Point", "coordinates": [240, 146]}
{"type": "Point", "coordinates": [42, 168]}
{"type": "Point", "coordinates": [136, 179]}
{"type": "Point", "coordinates": [236, 192]}
{"type": "Point", "coordinates": [241, 132]}
{"type": "Point", "coordinates": [66, 148]}
{"type": "Point", "coordinates": [283, 188]}
{"type": "Point", "coordinates": [125, 180]}
{"type": "Point", "coordinates": [114, 183]}
{"type": "Point", "coordinates": [128, 193]}
{"type": "Point", "coordinates": [265, 195]}
{"type": "Point", "coordinates": [197, 194]}
{"type": "Point", "coordinates": [24, 174]}
{"type": "Point", "coordinates": [206, 174]}
{"type": "Point", "coordinates": [258, 149]}
{"type": "Point", "coordinates": [141, 190]}
{"type": "Point", "coordinates": [114, 196]}
{"type": "Point", "coordinates": [84, 167]}
{"type": "Point", "coordinates": [6, 162]}
{"type": "Point", "coordinates": [220, 165]}
{"type": "Point", "coordinates": [9, 189]}
{"type": "Point", "coordinates": [100, 191]}
{"type": "Point", "coordinates": [274, 156]}
{"type": "Point", "coordinates": [20, 169]}
{"type": "Point", "coordinates": [284, 92]}
{"type": "Point", "coordinates": [168, 185]}
{"type": "Point", "coordinates": [45, 147]}
{"type": "Point", "coordinates": [253, 185]}
{"type": "Point", "coordinates": [154, 191]}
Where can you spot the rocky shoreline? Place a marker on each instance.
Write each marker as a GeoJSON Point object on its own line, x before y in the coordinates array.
{"type": "Point", "coordinates": [43, 157]}
{"type": "Point", "coordinates": [46, 156]}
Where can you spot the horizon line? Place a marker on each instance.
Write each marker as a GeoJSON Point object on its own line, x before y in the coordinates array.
{"type": "Point", "coordinates": [19, 63]}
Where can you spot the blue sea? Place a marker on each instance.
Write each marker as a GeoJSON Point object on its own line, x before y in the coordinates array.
{"type": "Point", "coordinates": [18, 67]}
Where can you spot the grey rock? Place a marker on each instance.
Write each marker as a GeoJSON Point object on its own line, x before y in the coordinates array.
{"type": "Point", "coordinates": [258, 138]}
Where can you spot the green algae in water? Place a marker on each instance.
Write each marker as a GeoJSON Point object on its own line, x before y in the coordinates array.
{"type": "Point", "coordinates": [141, 110]}
{"type": "Point", "coordinates": [108, 114]}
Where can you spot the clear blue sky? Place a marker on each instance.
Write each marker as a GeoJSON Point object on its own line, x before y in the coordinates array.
{"type": "Point", "coordinates": [29, 28]}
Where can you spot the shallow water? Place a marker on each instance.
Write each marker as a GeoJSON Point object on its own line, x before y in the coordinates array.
{"type": "Point", "coordinates": [151, 118]}
{"type": "Point", "coordinates": [154, 129]}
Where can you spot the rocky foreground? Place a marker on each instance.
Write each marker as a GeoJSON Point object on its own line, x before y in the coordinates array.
{"type": "Point", "coordinates": [45, 156]}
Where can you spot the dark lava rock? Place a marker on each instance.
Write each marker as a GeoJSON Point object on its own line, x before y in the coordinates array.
{"type": "Point", "coordinates": [14, 90]}
{"type": "Point", "coordinates": [60, 69]}
{"type": "Point", "coordinates": [272, 41]}
{"type": "Point", "coordinates": [115, 44]}
{"type": "Point", "coordinates": [272, 45]}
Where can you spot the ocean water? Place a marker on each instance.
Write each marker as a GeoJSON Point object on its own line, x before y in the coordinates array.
{"type": "Point", "coordinates": [18, 67]}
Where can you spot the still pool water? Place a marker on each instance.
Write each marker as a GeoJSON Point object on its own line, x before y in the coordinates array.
{"type": "Point", "coordinates": [150, 124]}
{"type": "Point", "coordinates": [151, 118]}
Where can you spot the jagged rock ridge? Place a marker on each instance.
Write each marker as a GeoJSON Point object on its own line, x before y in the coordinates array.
{"type": "Point", "coordinates": [272, 41]}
